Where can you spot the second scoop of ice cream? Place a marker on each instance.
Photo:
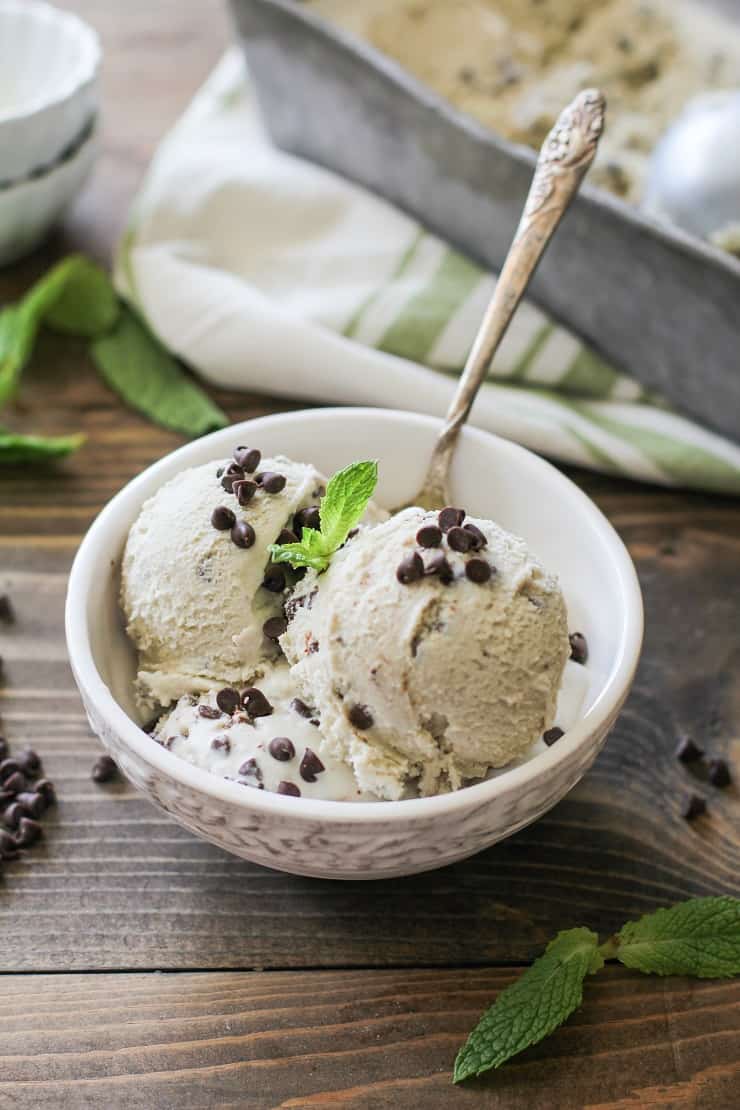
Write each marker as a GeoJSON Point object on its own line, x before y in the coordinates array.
{"type": "Point", "coordinates": [430, 664]}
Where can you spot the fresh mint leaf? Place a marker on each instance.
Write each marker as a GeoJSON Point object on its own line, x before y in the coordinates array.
{"type": "Point", "coordinates": [344, 503]}
{"type": "Point", "coordinates": [342, 506]}
{"type": "Point", "coordinates": [700, 937]}
{"type": "Point", "coordinates": [531, 1008]}
{"type": "Point", "coordinates": [148, 378]}
{"type": "Point", "coordinates": [15, 449]}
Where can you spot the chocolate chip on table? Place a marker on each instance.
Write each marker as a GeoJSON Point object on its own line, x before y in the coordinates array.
{"type": "Point", "coordinates": [15, 783]}
{"type": "Point", "coordinates": [360, 716]}
{"type": "Point", "coordinates": [286, 536]}
{"type": "Point", "coordinates": [29, 761]}
{"type": "Point", "coordinates": [7, 615]}
{"type": "Point", "coordinates": [552, 734]}
{"type": "Point", "coordinates": [578, 647]}
{"type": "Point", "coordinates": [274, 579]}
{"type": "Point", "coordinates": [311, 766]}
{"type": "Point", "coordinates": [272, 482]}
{"type": "Point", "coordinates": [719, 773]}
{"type": "Point", "coordinates": [244, 490]}
{"type": "Point", "coordinates": [255, 702]}
{"type": "Point", "coordinates": [8, 767]}
{"type": "Point", "coordinates": [459, 539]}
{"type": "Point", "coordinates": [3, 747]}
{"type": "Point", "coordinates": [8, 846]}
{"type": "Point", "coordinates": [281, 748]}
{"type": "Point", "coordinates": [29, 831]}
{"type": "Point", "coordinates": [221, 744]}
{"type": "Point", "coordinates": [248, 458]}
{"type": "Point", "coordinates": [439, 564]}
{"type": "Point", "coordinates": [31, 802]}
{"type": "Point", "coordinates": [299, 706]}
{"type": "Point", "coordinates": [479, 540]}
{"type": "Point", "coordinates": [222, 518]}
{"type": "Point", "coordinates": [242, 534]}
{"type": "Point", "coordinates": [688, 752]}
{"type": "Point", "coordinates": [209, 712]}
{"type": "Point", "coordinates": [289, 788]}
{"type": "Point", "coordinates": [12, 815]}
{"type": "Point", "coordinates": [429, 535]}
{"type": "Point", "coordinates": [228, 700]}
{"type": "Point", "coordinates": [410, 569]}
{"type": "Point", "coordinates": [104, 769]}
{"type": "Point", "coordinates": [274, 627]}
{"type": "Point", "coordinates": [478, 571]}
{"type": "Point", "coordinates": [45, 787]}
{"type": "Point", "coordinates": [450, 518]}
{"type": "Point", "coordinates": [694, 806]}
{"type": "Point", "coordinates": [309, 517]}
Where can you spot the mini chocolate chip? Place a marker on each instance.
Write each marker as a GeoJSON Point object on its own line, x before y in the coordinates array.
{"type": "Point", "coordinates": [209, 712]}
{"type": "Point", "coordinates": [221, 744]}
{"type": "Point", "coordinates": [410, 569]}
{"type": "Point", "coordinates": [478, 570]}
{"type": "Point", "coordinates": [299, 706]}
{"type": "Point", "coordinates": [8, 767]}
{"type": "Point", "coordinates": [693, 807]}
{"type": "Point", "coordinates": [450, 518]}
{"type": "Point", "coordinates": [274, 627]}
{"type": "Point", "coordinates": [309, 517]}
{"type": "Point", "coordinates": [222, 518]}
{"type": "Point", "coordinates": [46, 788]}
{"type": "Point", "coordinates": [360, 716]}
{"type": "Point", "coordinates": [479, 540]}
{"type": "Point", "coordinates": [7, 615]}
{"type": "Point", "coordinates": [251, 769]}
{"type": "Point", "coordinates": [12, 815]}
{"type": "Point", "coordinates": [244, 490]}
{"type": "Point", "coordinates": [688, 752]}
{"type": "Point", "coordinates": [281, 748]}
{"type": "Point", "coordinates": [3, 747]}
{"type": "Point", "coordinates": [274, 579]}
{"type": "Point", "coordinates": [719, 773]}
{"type": "Point", "coordinates": [30, 761]}
{"type": "Point", "coordinates": [6, 798]}
{"type": "Point", "coordinates": [233, 473]}
{"type": "Point", "coordinates": [578, 647]}
{"type": "Point", "coordinates": [312, 648]}
{"type": "Point", "coordinates": [272, 482]}
{"type": "Point", "coordinates": [255, 702]}
{"type": "Point", "coordinates": [315, 722]}
{"type": "Point", "coordinates": [439, 564]}
{"type": "Point", "coordinates": [28, 833]}
{"type": "Point", "coordinates": [8, 846]}
{"type": "Point", "coordinates": [104, 769]}
{"type": "Point", "coordinates": [552, 735]}
{"type": "Point", "coordinates": [242, 534]}
{"type": "Point", "coordinates": [15, 783]}
{"type": "Point", "coordinates": [248, 458]}
{"type": "Point", "coordinates": [311, 766]}
{"type": "Point", "coordinates": [351, 534]}
{"type": "Point", "coordinates": [429, 535]}
{"type": "Point", "coordinates": [286, 536]}
{"type": "Point", "coordinates": [459, 539]}
{"type": "Point", "coordinates": [219, 472]}
{"type": "Point", "coordinates": [228, 700]}
{"type": "Point", "coordinates": [289, 788]}
{"type": "Point", "coordinates": [32, 802]}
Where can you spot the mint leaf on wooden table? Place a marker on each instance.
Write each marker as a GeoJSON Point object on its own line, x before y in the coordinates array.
{"type": "Point", "coordinates": [342, 507]}
{"type": "Point", "coordinates": [143, 372]}
{"type": "Point", "coordinates": [15, 449]}
{"type": "Point", "coordinates": [532, 1007]}
{"type": "Point", "coordinates": [700, 938]}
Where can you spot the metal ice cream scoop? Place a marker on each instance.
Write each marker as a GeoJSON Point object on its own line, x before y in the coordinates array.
{"type": "Point", "coordinates": [694, 172]}
{"type": "Point", "coordinates": [566, 155]}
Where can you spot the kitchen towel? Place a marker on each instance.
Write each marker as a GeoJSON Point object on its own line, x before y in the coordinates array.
{"type": "Point", "coordinates": [265, 272]}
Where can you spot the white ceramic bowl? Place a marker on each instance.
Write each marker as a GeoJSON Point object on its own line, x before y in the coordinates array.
{"type": "Point", "coordinates": [49, 62]}
{"type": "Point", "coordinates": [28, 211]}
{"type": "Point", "coordinates": [491, 477]}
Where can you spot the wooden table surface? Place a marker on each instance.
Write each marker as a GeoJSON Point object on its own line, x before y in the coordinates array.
{"type": "Point", "coordinates": [144, 968]}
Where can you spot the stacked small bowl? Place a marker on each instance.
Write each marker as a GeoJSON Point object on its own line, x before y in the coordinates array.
{"type": "Point", "coordinates": [49, 65]}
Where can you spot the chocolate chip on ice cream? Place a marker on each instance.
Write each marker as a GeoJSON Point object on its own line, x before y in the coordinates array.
{"type": "Point", "coordinates": [243, 534]}
{"type": "Point", "coordinates": [450, 518]}
{"type": "Point", "coordinates": [209, 711]}
{"type": "Point", "coordinates": [255, 702]}
{"type": "Point", "coordinates": [228, 700]}
{"type": "Point", "coordinates": [274, 627]}
{"type": "Point", "coordinates": [273, 482]}
{"type": "Point", "coordinates": [244, 490]}
{"type": "Point", "coordinates": [459, 539]}
{"type": "Point", "coordinates": [223, 518]}
{"type": "Point", "coordinates": [578, 647]}
{"type": "Point", "coordinates": [478, 570]}
{"type": "Point", "coordinates": [410, 569]}
{"type": "Point", "coordinates": [440, 566]}
{"type": "Point", "coordinates": [289, 788]}
{"type": "Point", "coordinates": [360, 716]}
{"type": "Point", "coordinates": [429, 535]}
{"type": "Point", "coordinates": [248, 458]}
{"type": "Point", "coordinates": [311, 766]}
{"type": "Point", "coordinates": [281, 748]}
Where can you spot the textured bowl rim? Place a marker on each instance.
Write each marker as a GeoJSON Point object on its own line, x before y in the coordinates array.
{"type": "Point", "coordinates": [82, 73]}
{"type": "Point", "coordinates": [92, 554]}
{"type": "Point", "coordinates": [38, 181]}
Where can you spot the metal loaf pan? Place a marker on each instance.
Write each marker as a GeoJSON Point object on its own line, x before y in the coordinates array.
{"type": "Point", "coordinates": [654, 301]}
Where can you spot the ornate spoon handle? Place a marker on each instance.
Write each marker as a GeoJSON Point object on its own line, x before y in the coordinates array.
{"type": "Point", "coordinates": [564, 158]}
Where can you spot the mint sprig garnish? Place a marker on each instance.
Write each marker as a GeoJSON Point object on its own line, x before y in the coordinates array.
{"type": "Point", "coordinates": [700, 937]}
{"type": "Point", "coordinates": [341, 508]}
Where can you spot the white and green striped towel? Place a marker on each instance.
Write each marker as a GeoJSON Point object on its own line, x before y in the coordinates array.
{"type": "Point", "coordinates": [268, 273]}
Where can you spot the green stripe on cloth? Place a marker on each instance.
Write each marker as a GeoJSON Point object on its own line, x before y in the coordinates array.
{"type": "Point", "coordinates": [425, 316]}
{"type": "Point", "coordinates": [684, 463]}
{"type": "Point", "coordinates": [588, 376]}
{"type": "Point", "coordinates": [539, 339]}
{"type": "Point", "coordinates": [403, 264]}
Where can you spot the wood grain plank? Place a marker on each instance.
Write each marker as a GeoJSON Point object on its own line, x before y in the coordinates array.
{"type": "Point", "coordinates": [354, 1039]}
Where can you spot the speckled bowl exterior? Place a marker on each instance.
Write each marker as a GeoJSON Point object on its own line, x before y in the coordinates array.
{"type": "Point", "coordinates": [345, 840]}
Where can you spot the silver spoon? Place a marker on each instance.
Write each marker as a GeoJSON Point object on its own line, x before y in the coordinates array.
{"type": "Point", "coordinates": [566, 155]}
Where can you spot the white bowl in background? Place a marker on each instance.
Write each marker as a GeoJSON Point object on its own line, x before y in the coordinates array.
{"type": "Point", "coordinates": [49, 63]}
{"type": "Point", "coordinates": [362, 840]}
{"type": "Point", "coordinates": [29, 210]}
